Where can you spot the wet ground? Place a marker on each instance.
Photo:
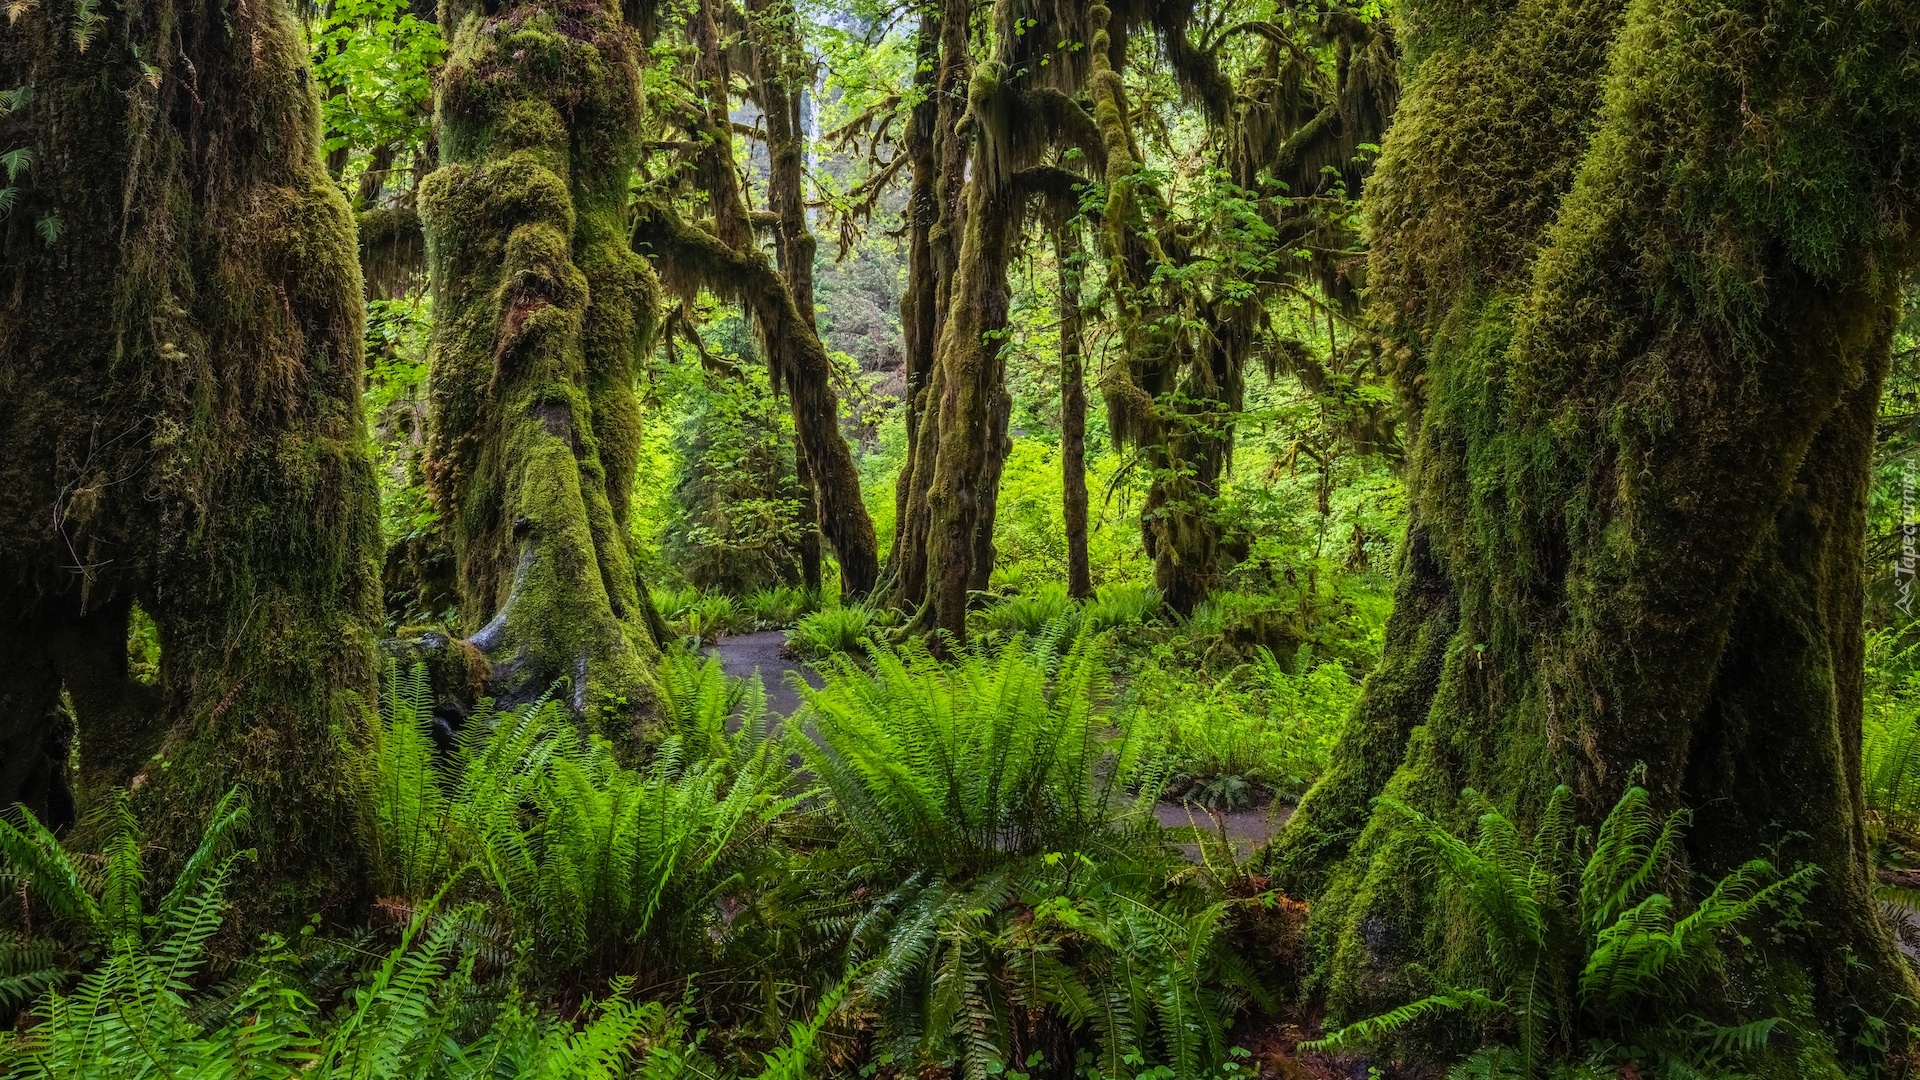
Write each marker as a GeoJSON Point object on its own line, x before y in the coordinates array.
{"type": "Point", "coordinates": [748, 656]}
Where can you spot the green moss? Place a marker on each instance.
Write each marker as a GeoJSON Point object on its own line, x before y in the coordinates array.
{"type": "Point", "coordinates": [186, 362]}
{"type": "Point", "coordinates": [541, 313]}
{"type": "Point", "coordinates": [1640, 378]}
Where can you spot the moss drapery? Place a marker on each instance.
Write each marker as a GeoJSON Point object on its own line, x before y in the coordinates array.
{"type": "Point", "coordinates": [180, 350]}
{"type": "Point", "coordinates": [1639, 263]}
{"type": "Point", "coordinates": [541, 311]}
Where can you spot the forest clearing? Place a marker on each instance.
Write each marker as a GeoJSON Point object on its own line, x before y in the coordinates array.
{"type": "Point", "coordinates": [1028, 539]}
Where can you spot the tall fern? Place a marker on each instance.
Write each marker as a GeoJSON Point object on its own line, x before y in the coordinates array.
{"type": "Point", "coordinates": [139, 1015]}
{"type": "Point", "coordinates": [589, 861]}
{"type": "Point", "coordinates": [997, 821]}
{"type": "Point", "coordinates": [958, 766]}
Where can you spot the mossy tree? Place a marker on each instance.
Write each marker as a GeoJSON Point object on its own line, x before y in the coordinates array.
{"type": "Point", "coordinates": [695, 222]}
{"type": "Point", "coordinates": [1639, 264]}
{"type": "Point", "coordinates": [180, 352]}
{"type": "Point", "coordinates": [1047, 118]}
{"type": "Point", "coordinates": [541, 312]}
{"type": "Point", "coordinates": [1287, 131]}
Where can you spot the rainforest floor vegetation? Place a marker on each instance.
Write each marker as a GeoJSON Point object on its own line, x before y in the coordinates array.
{"type": "Point", "coordinates": [975, 539]}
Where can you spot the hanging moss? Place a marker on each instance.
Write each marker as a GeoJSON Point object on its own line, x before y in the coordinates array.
{"type": "Point", "coordinates": [181, 350]}
{"type": "Point", "coordinates": [724, 257]}
{"type": "Point", "coordinates": [1639, 266]}
{"type": "Point", "coordinates": [541, 310]}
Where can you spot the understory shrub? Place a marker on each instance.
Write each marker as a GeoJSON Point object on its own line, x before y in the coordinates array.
{"type": "Point", "coordinates": [593, 864]}
{"type": "Point", "coordinates": [1034, 612]}
{"type": "Point", "coordinates": [838, 630]}
{"type": "Point", "coordinates": [154, 1003]}
{"type": "Point", "coordinates": [1121, 605]}
{"type": "Point", "coordinates": [1263, 730]}
{"type": "Point", "coordinates": [778, 607]}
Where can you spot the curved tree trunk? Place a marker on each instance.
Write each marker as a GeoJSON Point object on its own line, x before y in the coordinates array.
{"type": "Point", "coordinates": [180, 353]}
{"type": "Point", "coordinates": [1643, 352]}
{"type": "Point", "coordinates": [779, 61]}
{"type": "Point", "coordinates": [541, 310]}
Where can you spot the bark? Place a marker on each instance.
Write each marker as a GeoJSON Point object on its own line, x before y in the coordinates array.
{"type": "Point", "coordinates": [541, 312]}
{"type": "Point", "coordinates": [1643, 374]}
{"type": "Point", "coordinates": [1073, 410]}
{"type": "Point", "coordinates": [930, 289]}
{"type": "Point", "coordinates": [919, 308]}
{"type": "Point", "coordinates": [963, 442]}
{"type": "Point", "coordinates": [181, 364]}
{"type": "Point", "coordinates": [809, 515]}
{"type": "Point", "coordinates": [778, 65]}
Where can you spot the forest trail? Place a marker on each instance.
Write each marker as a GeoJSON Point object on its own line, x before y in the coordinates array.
{"type": "Point", "coordinates": [747, 656]}
{"type": "Point", "coordinates": [760, 655]}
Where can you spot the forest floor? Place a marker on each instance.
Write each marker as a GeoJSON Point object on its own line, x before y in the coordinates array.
{"type": "Point", "coordinates": [762, 655]}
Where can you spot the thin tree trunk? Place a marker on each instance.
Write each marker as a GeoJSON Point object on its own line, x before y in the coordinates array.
{"type": "Point", "coordinates": [919, 309]}
{"type": "Point", "coordinates": [949, 151]}
{"type": "Point", "coordinates": [540, 310]}
{"type": "Point", "coordinates": [776, 64]}
{"type": "Point", "coordinates": [809, 518]}
{"type": "Point", "coordinates": [181, 356]}
{"type": "Point", "coordinates": [1073, 410]}
{"type": "Point", "coordinates": [1644, 396]}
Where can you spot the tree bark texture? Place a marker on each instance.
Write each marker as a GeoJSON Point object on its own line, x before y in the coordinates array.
{"type": "Point", "coordinates": [181, 426]}
{"type": "Point", "coordinates": [542, 311]}
{"type": "Point", "coordinates": [1073, 409]}
{"type": "Point", "coordinates": [1640, 267]}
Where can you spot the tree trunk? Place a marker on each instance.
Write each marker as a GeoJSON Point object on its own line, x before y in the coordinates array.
{"type": "Point", "coordinates": [777, 62]}
{"type": "Point", "coordinates": [180, 351]}
{"type": "Point", "coordinates": [541, 309]}
{"type": "Point", "coordinates": [919, 308]}
{"type": "Point", "coordinates": [1073, 410]}
{"type": "Point", "coordinates": [809, 517]}
{"type": "Point", "coordinates": [930, 288]}
{"type": "Point", "coordinates": [1641, 351]}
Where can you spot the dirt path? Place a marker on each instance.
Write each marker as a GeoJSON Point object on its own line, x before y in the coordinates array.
{"type": "Point", "coordinates": [748, 656]}
{"type": "Point", "coordinates": [744, 655]}
{"type": "Point", "coordinates": [1245, 829]}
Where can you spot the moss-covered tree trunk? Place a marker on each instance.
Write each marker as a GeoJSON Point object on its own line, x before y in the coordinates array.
{"type": "Point", "coordinates": [919, 306]}
{"type": "Point", "coordinates": [541, 312]}
{"type": "Point", "coordinates": [1641, 267]}
{"type": "Point", "coordinates": [1073, 409]}
{"type": "Point", "coordinates": [180, 362]}
{"type": "Point", "coordinates": [778, 65]}
{"type": "Point", "coordinates": [939, 205]}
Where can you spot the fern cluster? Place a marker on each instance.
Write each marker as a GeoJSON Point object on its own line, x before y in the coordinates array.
{"type": "Point", "coordinates": [940, 865]}
{"type": "Point", "coordinates": [1017, 903]}
{"type": "Point", "coordinates": [148, 1008]}
{"type": "Point", "coordinates": [838, 630]}
{"type": "Point", "coordinates": [589, 863]}
{"type": "Point", "coordinates": [1593, 962]}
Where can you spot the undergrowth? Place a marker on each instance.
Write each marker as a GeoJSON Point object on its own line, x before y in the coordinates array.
{"type": "Point", "coordinates": [1594, 952]}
